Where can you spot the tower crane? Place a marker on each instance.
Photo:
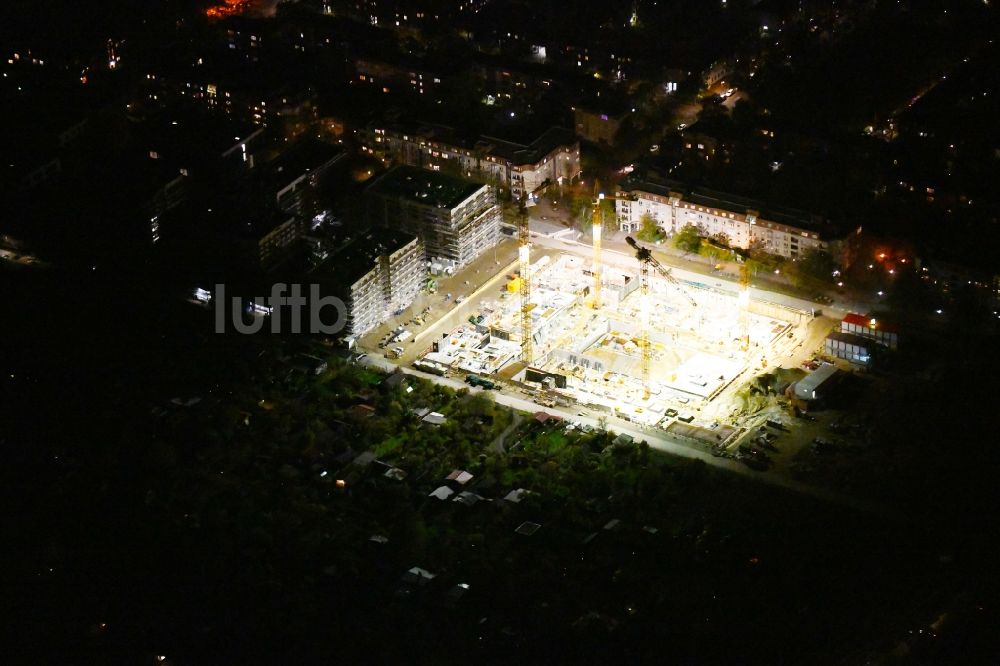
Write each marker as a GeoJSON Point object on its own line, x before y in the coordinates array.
{"type": "Point", "coordinates": [645, 256]}
{"type": "Point", "coordinates": [744, 303]}
{"type": "Point", "coordinates": [646, 260]}
{"type": "Point", "coordinates": [595, 297]}
{"type": "Point", "coordinates": [599, 197]}
{"type": "Point", "coordinates": [524, 264]}
{"type": "Point", "coordinates": [743, 299]}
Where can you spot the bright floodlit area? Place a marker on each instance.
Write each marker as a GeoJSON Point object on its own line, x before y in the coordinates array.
{"type": "Point", "coordinates": [592, 355]}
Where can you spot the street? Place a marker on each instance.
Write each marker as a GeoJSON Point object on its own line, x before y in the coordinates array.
{"type": "Point", "coordinates": [657, 440]}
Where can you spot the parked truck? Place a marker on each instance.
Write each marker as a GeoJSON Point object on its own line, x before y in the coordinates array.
{"type": "Point", "coordinates": [476, 380]}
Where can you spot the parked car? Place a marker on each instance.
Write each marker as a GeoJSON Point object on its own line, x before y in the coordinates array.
{"type": "Point", "coordinates": [752, 462]}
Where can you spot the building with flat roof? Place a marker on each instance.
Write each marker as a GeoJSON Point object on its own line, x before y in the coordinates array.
{"type": "Point", "coordinates": [290, 174]}
{"type": "Point", "coordinates": [883, 332]}
{"type": "Point", "coordinates": [377, 274]}
{"type": "Point", "coordinates": [456, 219]}
{"type": "Point", "coordinates": [816, 384]}
{"type": "Point", "coordinates": [599, 123]}
{"type": "Point", "coordinates": [744, 222]}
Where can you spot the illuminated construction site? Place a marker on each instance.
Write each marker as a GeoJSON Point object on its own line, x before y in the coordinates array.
{"type": "Point", "coordinates": [620, 335]}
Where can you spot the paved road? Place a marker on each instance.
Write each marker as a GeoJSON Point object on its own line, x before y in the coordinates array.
{"type": "Point", "coordinates": [658, 440]}
{"type": "Point", "coordinates": [614, 256]}
{"type": "Point", "coordinates": [550, 239]}
{"type": "Point", "coordinates": [548, 225]}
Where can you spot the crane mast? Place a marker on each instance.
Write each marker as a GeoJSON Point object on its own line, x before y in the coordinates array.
{"type": "Point", "coordinates": [524, 265]}
{"type": "Point", "coordinates": [595, 299]}
{"type": "Point", "coordinates": [644, 351]}
{"type": "Point", "coordinates": [665, 272]}
{"type": "Point", "coordinates": [744, 313]}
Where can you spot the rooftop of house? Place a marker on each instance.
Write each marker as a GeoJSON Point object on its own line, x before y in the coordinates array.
{"type": "Point", "coordinates": [867, 322]}
{"type": "Point", "coordinates": [300, 159]}
{"type": "Point", "coordinates": [606, 102]}
{"type": "Point", "coordinates": [186, 137]}
{"type": "Point", "coordinates": [517, 153]}
{"type": "Point", "coordinates": [359, 256]}
{"type": "Point", "coordinates": [514, 151]}
{"type": "Point", "coordinates": [430, 188]}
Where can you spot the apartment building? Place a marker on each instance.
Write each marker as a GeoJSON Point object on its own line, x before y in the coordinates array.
{"type": "Point", "coordinates": [523, 168]}
{"type": "Point", "coordinates": [377, 274]}
{"type": "Point", "coordinates": [287, 177]}
{"type": "Point", "coordinates": [395, 77]}
{"type": "Point", "coordinates": [456, 219]}
{"type": "Point", "coordinates": [599, 122]}
{"type": "Point", "coordinates": [744, 222]}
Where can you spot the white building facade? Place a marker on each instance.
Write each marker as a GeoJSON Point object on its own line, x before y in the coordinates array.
{"type": "Point", "coordinates": [743, 226]}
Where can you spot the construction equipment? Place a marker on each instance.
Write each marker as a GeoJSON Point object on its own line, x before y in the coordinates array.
{"type": "Point", "coordinates": [599, 198]}
{"type": "Point", "coordinates": [646, 260]}
{"type": "Point", "coordinates": [645, 256]}
{"type": "Point", "coordinates": [595, 296]}
{"type": "Point", "coordinates": [524, 263]}
{"type": "Point", "coordinates": [743, 300]}
{"type": "Point", "coordinates": [744, 303]}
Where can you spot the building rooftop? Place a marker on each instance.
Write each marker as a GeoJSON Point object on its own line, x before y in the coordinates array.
{"type": "Point", "coordinates": [305, 156]}
{"type": "Point", "coordinates": [430, 188]}
{"type": "Point", "coordinates": [518, 153]}
{"type": "Point", "coordinates": [187, 139]}
{"type": "Point", "coordinates": [228, 215]}
{"type": "Point", "coordinates": [866, 322]}
{"type": "Point", "coordinates": [527, 528]}
{"type": "Point", "coordinates": [806, 388]}
{"type": "Point", "coordinates": [514, 151]}
{"type": "Point", "coordinates": [358, 257]}
{"type": "Point", "coordinates": [606, 101]}
{"type": "Point", "coordinates": [460, 476]}
{"type": "Point", "coordinates": [441, 493]}
{"type": "Point", "coordinates": [435, 418]}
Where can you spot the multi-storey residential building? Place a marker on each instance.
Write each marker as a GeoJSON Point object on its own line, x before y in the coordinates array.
{"type": "Point", "coordinates": [552, 157]}
{"type": "Point", "coordinates": [275, 234]}
{"type": "Point", "coordinates": [295, 170]}
{"type": "Point", "coordinates": [243, 99]}
{"type": "Point", "coordinates": [456, 219]}
{"type": "Point", "coordinates": [718, 71]}
{"type": "Point", "coordinates": [519, 81]}
{"type": "Point", "coordinates": [394, 77]}
{"type": "Point", "coordinates": [409, 16]}
{"type": "Point", "coordinates": [377, 275]}
{"type": "Point", "coordinates": [599, 123]}
{"type": "Point", "coordinates": [245, 38]}
{"type": "Point", "coordinates": [782, 232]}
